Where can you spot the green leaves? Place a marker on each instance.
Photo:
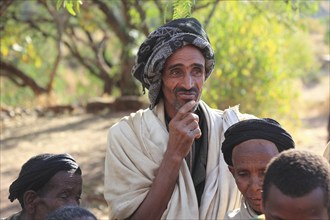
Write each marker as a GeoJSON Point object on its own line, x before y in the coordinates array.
{"type": "Point", "coordinates": [182, 8]}
{"type": "Point", "coordinates": [72, 6]}
{"type": "Point", "coordinates": [260, 52]}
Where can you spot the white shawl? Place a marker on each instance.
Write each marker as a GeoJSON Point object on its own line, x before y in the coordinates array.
{"type": "Point", "coordinates": [136, 145]}
{"type": "Point", "coordinates": [244, 212]}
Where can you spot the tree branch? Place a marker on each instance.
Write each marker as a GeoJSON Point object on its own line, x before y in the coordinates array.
{"type": "Point", "coordinates": [113, 22]}
{"type": "Point", "coordinates": [142, 14]}
{"type": "Point", "coordinates": [4, 4]}
{"type": "Point", "coordinates": [207, 21]}
{"type": "Point", "coordinates": [11, 70]}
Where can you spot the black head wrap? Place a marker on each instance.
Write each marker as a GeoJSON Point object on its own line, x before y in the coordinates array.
{"type": "Point", "coordinates": [263, 128]}
{"type": "Point", "coordinates": [162, 43]}
{"type": "Point", "coordinates": [38, 170]}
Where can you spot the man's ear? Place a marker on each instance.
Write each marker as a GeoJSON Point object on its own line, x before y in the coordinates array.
{"type": "Point", "coordinates": [30, 197]}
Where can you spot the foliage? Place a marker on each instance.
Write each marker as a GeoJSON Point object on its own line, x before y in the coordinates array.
{"type": "Point", "coordinates": [259, 55]}
{"type": "Point", "coordinates": [260, 46]}
{"type": "Point", "coordinates": [182, 8]}
{"type": "Point", "coordinates": [72, 6]}
{"type": "Point", "coordinates": [327, 33]}
{"type": "Point", "coordinates": [13, 96]}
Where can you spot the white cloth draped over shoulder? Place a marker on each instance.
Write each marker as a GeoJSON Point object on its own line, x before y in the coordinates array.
{"type": "Point", "coordinates": [136, 145]}
{"type": "Point", "coordinates": [244, 212]}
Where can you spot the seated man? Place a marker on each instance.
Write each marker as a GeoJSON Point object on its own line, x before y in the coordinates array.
{"type": "Point", "coordinates": [248, 147]}
{"type": "Point", "coordinates": [297, 186]}
{"type": "Point", "coordinates": [71, 213]}
{"type": "Point", "coordinates": [45, 183]}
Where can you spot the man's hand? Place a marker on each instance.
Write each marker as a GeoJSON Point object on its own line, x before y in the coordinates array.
{"type": "Point", "coordinates": [183, 130]}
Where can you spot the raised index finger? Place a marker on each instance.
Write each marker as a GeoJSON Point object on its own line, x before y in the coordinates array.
{"type": "Point", "coordinates": [186, 108]}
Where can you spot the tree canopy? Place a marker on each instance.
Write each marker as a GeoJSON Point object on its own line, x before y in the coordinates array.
{"type": "Point", "coordinates": [88, 49]}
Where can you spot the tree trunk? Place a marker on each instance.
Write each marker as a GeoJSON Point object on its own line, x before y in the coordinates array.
{"type": "Point", "coordinates": [127, 83]}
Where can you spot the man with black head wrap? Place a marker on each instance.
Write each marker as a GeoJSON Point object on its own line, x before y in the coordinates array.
{"type": "Point", "coordinates": [165, 161]}
{"type": "Point", "coordinates": [45, 183]}
{"type": "Point", "coordinates": [248, 147]}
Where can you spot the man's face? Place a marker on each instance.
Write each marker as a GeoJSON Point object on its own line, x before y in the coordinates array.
{"type": "Point", "coordinates": [63, 189]}
{"type": "Point", "coordinates": [183, 78]}
{"type": "Point", "coordinates": [250, 159]}
{"type": "Point", "coordinates": [309, 206]}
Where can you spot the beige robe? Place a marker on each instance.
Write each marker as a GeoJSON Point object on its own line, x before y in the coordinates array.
{"type": "Point", "coordinates": [136, 145]}
{"type": "Point", "coordinates": [244, 212]}
{"type": "Point", "coordinates": [326, 153]}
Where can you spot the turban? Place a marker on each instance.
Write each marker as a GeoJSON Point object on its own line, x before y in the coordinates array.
{"type": "Point", "coordinates": [38, 170]}
{"type": "Point", "coordinates": [263, 128]}
{"type": "Point", "coordinates": [161, 44]}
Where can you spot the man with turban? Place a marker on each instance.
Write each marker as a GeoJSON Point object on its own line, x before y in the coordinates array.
{"type": "Point", "coordinates": [165, 162]}
{"type": "Point", "coordinates": [45, 183]}
{"type": "Point", "coordinates": [248, 147]}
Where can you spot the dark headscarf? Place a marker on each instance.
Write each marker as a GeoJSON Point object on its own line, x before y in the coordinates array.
{"type": "Point", "coordinates": [263, 128]}
{"type": "Point", "coordinates": [161, 44]}
{"type": "Point", "coordinates": [38, 170]}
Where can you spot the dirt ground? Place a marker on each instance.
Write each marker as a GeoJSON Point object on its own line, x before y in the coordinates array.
{"type": "Point", "coordinates": [84, 136]}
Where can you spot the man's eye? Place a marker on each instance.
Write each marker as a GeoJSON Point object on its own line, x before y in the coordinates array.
{"type": "Point", "coordinates": [175, 72]}
{"type": "Point", "coordinates": [243, 174]}
{"type": "Point", "coordinates": [197, 71]}
{"type": "Point", "coordinates": [64, 196]}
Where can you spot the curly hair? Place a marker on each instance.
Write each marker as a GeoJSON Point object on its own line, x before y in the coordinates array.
{"type": "Point", "coordinates": [296, 173]}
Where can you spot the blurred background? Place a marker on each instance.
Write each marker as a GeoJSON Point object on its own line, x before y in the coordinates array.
{"type": "Point", "coordinates": [65, 73]}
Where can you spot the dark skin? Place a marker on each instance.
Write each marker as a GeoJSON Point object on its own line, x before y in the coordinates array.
{"type": "Point", "coordinates": [63, 189]}
{"type": "Point", "coordinates": [184, 70]}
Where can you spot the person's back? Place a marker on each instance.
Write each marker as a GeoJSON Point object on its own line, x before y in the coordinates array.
{"type": "Point", "coordinates": [45, 183]}
{"type": "Point", "coordinates": [297, 186]}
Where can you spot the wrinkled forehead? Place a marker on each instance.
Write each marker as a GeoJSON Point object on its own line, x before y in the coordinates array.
{"type": "Point", "coordinates": [187, 55]}
{"type": "Point", "coordinates": [64, 179]}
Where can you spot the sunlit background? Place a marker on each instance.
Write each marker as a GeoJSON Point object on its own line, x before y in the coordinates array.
{"type": "Point", "coordinates": [66, 73]}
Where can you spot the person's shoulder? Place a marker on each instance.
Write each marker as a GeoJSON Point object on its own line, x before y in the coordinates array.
{"type": "Point", "coordinates": [326, 153]}
{"type": "Point", "coordinates": [131, 117]}
{"type": "Point", "coordinates": [230, 112]}
{"type": "Point", "coordinates": [207, 109]}
{"type": "Point", "coordinates": [128, 122]}
{"type": "Point", "coordinates": [260, 217]}
{"type": "Point", "coordinates": [15, 216]}
{"type": "Point", "coordinates": [235, 111]}
{"type": "Point", "coordinates": [234, 214]}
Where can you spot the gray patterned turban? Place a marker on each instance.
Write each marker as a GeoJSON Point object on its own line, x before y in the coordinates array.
{"type": "Point", "coordinates": [262, 128]}
{"type": "Point", "coordinates": [161, 44]}
{"type": "Point", "coordinates": [38, 170]}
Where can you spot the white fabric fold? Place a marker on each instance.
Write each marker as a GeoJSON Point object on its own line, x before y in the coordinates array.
{"type": "Point", "coordinates": [135, 150]}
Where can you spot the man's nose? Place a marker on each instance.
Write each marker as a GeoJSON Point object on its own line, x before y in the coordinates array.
{"type": "Point", "coordinates": [256, 183]}
{"type": "Point", "coordinates": [73, 202]}
{"type": "Point", "coordinates": [188, 81]}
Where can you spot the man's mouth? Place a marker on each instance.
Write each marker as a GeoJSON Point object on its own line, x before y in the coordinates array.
{"type": "Point", "coordinates": [188, 96]}
{"type": "Point", "coordinates": [256, 201]}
